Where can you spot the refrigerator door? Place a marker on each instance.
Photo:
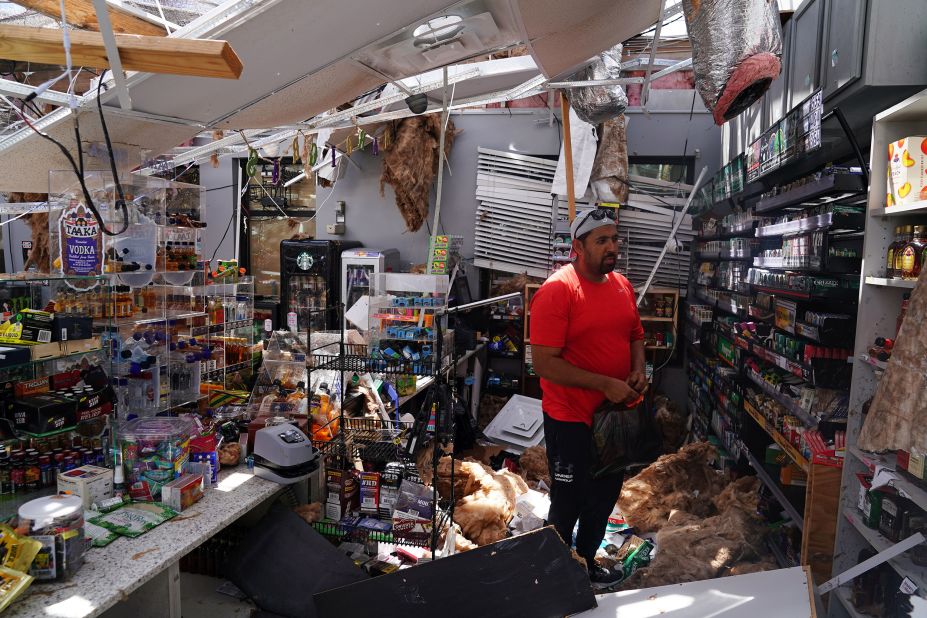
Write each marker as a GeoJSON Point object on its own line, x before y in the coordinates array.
{"type": "Point", "coordinates": [357, 273]}
{"type": "Point", "coordinates": [304, 269]}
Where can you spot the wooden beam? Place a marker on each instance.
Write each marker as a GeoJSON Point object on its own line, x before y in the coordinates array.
{"type": "Point", "coordinates": [568, 154]}
{"type": "Point", "coordinates": [81, 14]}
{"type": "Point", "coordinates": [149, 54]}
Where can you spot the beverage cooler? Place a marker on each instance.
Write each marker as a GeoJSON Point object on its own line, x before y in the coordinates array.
{"type": "Point", "coordinates": [309, 278]}
{"type": "Point", "coordinates": [358, 269]}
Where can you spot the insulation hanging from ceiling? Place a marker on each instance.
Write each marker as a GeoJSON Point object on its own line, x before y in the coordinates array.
{"type": "Point", "coordinates": [898, 410]}
{"type": "Point", "coordinates": [596, 104]}
{"type": "Point", "coordinates": [736, 51]}
{"type": "Point", "coordinates": [411, 164]}
{"type": "Point", "coordinates": [610, 168]}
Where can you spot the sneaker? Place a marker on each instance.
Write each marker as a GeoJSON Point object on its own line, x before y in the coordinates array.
{"type": "Point", "coordinates": [600, 577]}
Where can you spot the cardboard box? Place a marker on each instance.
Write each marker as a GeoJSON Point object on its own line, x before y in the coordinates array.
{"type": "Point", "coordinates": [907, 171]}
{"type": "Point", "coordinates": [46, 351]}
{"type": "Point", "coordinates": [28, 388]}
{"type": "Point", "coordinates": [95, 405]}
{"type": "Point", "coordinates": [72, 327]}
{"type": "Point", "coordinates": [44, 413]}
{"type": "Point", "coordinates": [80, 346]}
{"type": "Point", "coordinates": [182, 492]}
{"type": "Point", "coordinates": [91, 483]}
{"type": "Point", "coordinates": [10, 356]}
{"type": "Point", "coordinates": [29, 326]}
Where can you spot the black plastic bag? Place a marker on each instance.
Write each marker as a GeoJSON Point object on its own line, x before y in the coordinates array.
{"type": "Point", "coordinates": [622, 438]}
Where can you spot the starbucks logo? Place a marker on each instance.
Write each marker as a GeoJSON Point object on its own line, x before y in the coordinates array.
{"type": "Point", "coordinates": [304, 261]}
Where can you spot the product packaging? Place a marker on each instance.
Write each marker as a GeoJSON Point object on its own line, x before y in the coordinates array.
{"type": "Point", "coordinates": [182, 492]}
{"type": "Point", "coordinates": [57, 522]}
{"type": "Point", "coordinates": [907, 171]}
{"type": "Point", "coordinates": [99, 537]}
{"type": "Point", "coordinates": [342, 493]}
{"type": "Point", "coordinates": [18, 551]}
{"type": "Point", "coordinates": [135, 519]}
{"type": "Point", "coordinates": [90, 483]}
{"type": "Point", "coordinates": [154, 451]}
{"type": "Point", "coordinates": [390, 480]}
{"type": "Point", "coordinates": [412, 515]}
{"type": "Point", "coordinates": [370, 492]}
{"type": "Point", "coordinates": [44, 413]}
{"type": "Point", "coordinates": [12, 584]}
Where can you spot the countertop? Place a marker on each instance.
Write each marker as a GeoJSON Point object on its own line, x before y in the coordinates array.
{"type": "Point", "coordinates": [113, 572]}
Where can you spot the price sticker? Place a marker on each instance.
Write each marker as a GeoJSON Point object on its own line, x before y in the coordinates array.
{"type": "Point", "coordinates": [907, 586]}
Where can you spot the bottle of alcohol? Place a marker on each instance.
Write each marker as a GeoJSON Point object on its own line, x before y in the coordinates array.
{"type": "Point", "coordinates": [907, 233]}
{"type": "Point", "coordinates": [912, 253]}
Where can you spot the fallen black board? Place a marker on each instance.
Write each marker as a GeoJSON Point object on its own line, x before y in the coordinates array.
{"type": "Point", "coordinates": [529, 575]}
{"type": "Point", "coordinates": [283, 561]}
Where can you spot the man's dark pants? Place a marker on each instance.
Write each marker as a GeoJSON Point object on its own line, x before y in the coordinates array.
{"type": "Point", "coordinates": [574, 495]}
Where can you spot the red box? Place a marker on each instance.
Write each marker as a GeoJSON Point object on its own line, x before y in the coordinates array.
{"type": "Point", "coordinates": [29, 388]}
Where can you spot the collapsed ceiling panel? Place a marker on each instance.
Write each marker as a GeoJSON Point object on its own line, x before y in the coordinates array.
{"type": "Point", "coordinates": [563, 36]}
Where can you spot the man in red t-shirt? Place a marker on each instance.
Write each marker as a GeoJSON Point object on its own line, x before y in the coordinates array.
{"type": "Point", "coordinates": [587, 345]}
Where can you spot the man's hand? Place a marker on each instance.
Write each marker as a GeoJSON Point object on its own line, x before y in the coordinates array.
{"type": "Point", "coordinates": [618, 391]}
{"type": "Point", "coordinates": [638, 381]}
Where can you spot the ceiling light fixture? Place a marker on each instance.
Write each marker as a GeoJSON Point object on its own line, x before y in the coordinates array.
{"type": "Point", "coordinates": [438, 31]}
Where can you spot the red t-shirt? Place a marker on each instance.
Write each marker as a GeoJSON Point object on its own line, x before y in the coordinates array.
{"type": "Point", "coordinates": [594, 325]}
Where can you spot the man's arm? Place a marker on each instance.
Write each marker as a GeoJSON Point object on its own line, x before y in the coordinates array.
{"type": "Point", "coordinates": [637, 379]}
{"type": "Point", "coordinates": [550, 365]}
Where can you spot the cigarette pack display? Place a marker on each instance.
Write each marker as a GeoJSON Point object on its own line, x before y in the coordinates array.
{"type": "Point", "coordinates": [10, 355]}
{"type": "Point", "coordinates": [342, 493]}
{"type": "Point", "coordinates": [91, 483]}
{"type": "Point", "coordinates": [72, 327]}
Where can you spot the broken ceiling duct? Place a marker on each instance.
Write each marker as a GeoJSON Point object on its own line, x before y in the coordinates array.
{"type": "Point", "coordinates": [610, 169]}
{"type": "Point", "coordinates": [596, 104]}
{"type": "Point", "coordinates": [736, 51]}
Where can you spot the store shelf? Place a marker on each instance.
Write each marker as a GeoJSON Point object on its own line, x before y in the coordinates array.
{"type": "Point", "coordinates": [220, 328]}
{"type": "Point", "coordinates": [31, 278]}
{"type": "Point", "coordinates": [746, 232]}
{"type": "Point", "coordinates": [850, 222]}
{"type": "Point", "coordinates": [865, 359]}
{"type": "Point", "coordinates": [650, 318]}
{"type": "Point", "coordinates": [844, 594]}
{"type": "Point", "coordinates": [891, 283]}
{"type": "Point", "coordinates": [894, 211]}
{"type": "Point", "coordinates": [783, 401]}
{"type": "Point", "coordinates": [420, 385]}
{"type": "Point", "coordinates": [175, 315]}
{"type": "Point", "coordinates": [906, 488]}
{"type": "Point", "coordinates": [715, 256]}
{"type": "Point", "coordinates": [826, 190]}
{"type": "Point", "coordinates": [51, 358]}
{"type": "Point", "coordinates": [506, 318]}
{"type": "Point", "coordinates": [777, 437]}
{"type": "Point", "coordinates": [221, 371]}
{"type": "Point", "coordinates": [773, 487]}
{"type": "Point", "coordinates": [901, 563]}
{"type": "Point", "coordinates": [847, 294]}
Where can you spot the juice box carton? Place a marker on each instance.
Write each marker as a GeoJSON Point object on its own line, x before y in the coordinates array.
{"type": "Point", "coordinates": [907, 171]}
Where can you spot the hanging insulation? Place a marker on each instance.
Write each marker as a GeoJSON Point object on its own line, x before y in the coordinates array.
{"type": "Point", "coordinates": [736, 51]}
{"type": "Point", "coordinates": [610, 168]}
{"type": "Point", "coordinates": [596, 104]}
{"type": "Point", "coordinates": [410, 164]}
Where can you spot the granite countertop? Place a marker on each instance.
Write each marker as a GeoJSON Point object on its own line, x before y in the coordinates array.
{"type": "Point", "coordinates": [111, 573]}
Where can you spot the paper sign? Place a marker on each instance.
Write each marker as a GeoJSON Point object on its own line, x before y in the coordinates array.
{"type": "Point", "coordinates": [907, 586]}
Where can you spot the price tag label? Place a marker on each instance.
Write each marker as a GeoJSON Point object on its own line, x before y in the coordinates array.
{"type": "Point", "coordinates": [907, 586]}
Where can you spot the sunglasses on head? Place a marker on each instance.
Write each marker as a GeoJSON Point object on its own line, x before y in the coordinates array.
{"type": "Point", "coordinates": [601, 213]}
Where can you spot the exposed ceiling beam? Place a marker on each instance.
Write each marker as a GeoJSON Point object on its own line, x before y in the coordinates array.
{"type": "Point", "coordinates": [80, 14]}
{"type": "Point", "coordinates": [20, 91]}
{"type": "Point", "coordinates": [112, 54]}
{"type": "Point", "coordinates": [150, 54]}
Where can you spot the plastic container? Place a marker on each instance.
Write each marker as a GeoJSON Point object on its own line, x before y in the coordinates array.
{"type": "Point", "coordinates": [57, 522]}
{"type": "Point", "coordinates": [154, 451]}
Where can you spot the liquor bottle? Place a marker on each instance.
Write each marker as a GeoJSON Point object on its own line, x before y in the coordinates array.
{"type": "Point", "coordinates": [912, 253]}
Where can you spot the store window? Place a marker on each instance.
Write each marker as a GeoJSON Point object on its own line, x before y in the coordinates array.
{"type": "Point", "coordinates": [670, 169]}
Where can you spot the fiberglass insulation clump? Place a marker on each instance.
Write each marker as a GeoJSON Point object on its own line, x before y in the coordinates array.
{"type": "Point", "coordinates": [736, 51]}
{"type": "Point", "coordinates": [411, 164]}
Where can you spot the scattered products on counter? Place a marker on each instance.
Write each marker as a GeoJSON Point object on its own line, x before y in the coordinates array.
{"type": "Point", "coordinates": [134, 519]}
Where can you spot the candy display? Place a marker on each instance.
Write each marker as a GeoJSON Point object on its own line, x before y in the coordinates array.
{"type": "Point", "coordinates": [154, 451]}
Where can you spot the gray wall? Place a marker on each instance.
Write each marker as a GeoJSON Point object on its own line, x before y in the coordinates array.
{"type": "Point", "coordinates": [376, 222]}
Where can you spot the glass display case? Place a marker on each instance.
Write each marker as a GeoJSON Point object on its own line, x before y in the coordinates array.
{"type": "Point", "coordinates": [230, 316]}
{"type": "Point", "coordinates": [151, 251]}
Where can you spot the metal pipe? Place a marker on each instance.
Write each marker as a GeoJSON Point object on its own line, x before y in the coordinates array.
{"type": "Point", "coordinates": [568, 154]}
{"type": "Point", "coordinates": [479, 303]}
